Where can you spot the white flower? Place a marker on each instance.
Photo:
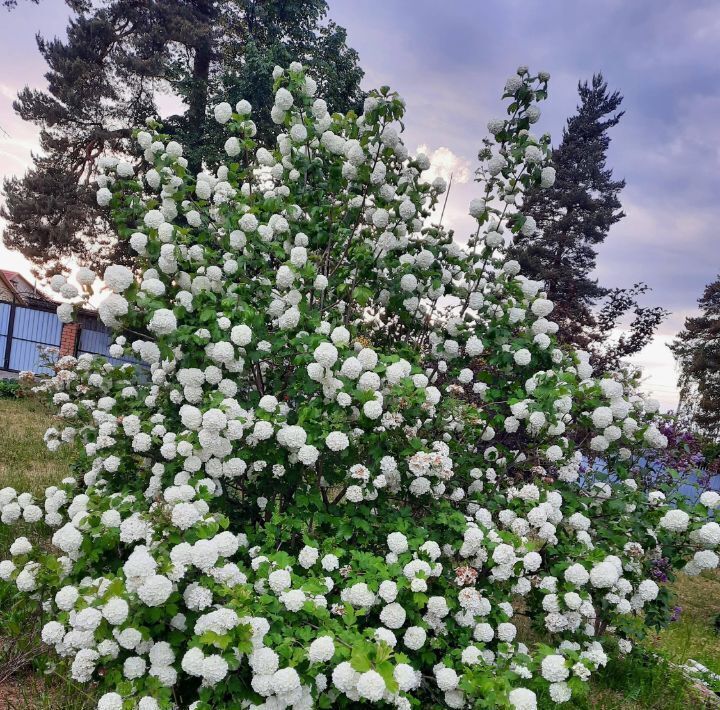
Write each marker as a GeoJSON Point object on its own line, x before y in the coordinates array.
{"type": "Point", "coordinates": [547, 177]}
{"type": "Point", "coordinates": [155, 590]}
{"type": "Point", "coordinates": [554, 668]}
{"type": "Point", "coordinates": [406, 677]}
{"type": "Point", "coordinates": [294, 599]}
{"type": "Point", "coordinates": [103, 197]}
{"type": "Point", "coordinates": [134, 667]}
{"type": "Point", "coordinates": [110, 701]}
{"type": "Point", "coordinates": [68, 538]}
{"type": "Point", "coordinates": [21, 546]}
{"type": "Point", "coordinates": [223, 112]}
{"type": "Point", "coordinates": [506, 631]}
{"type": "Point", "coordinates": [408, 282]}
{"type": "Point", "coordinates": [279, 580]}
{"type": "Point", "coordinates": [477, 207]}
{"type": "Point", "coordinates": [602, 417]}
{"type": "Point", "coordinates": [675, 520]}
{"type": "Point", "coordinates": [397, 542]}
{"type": "Point", "coordinates": [415, 637]}
{"type": "Point", "coordinates": [283, 99]}
{"type": "Point", "coordinates": [337, 441]}
{"type": "Point", "coordinates": [308, 454]}
{"type": "Point", "coordinates": [513, 84]}
{"type": "Point", "coordinates": [232, 147]}
{"type": "Point", "coordinates": [710, 499]}
{"type": "Point", "coordinates": [560, 692]}
{"type": "Point", "coordinates": [447, 679]}
{"type": "Point", "coordinates": [648, 590]}
{"type": "Point", "coordinates": [241, 335]}
{"type": "Point", "coordinates": [523, 699]}
{"type": "Point", "coordinates": [577, 574]}
{"type": "Point", "coordinates": [604, 575]}
{"type": "Point", "coordinates": [285, 680]}
{"type": "Point", "coordinates": [153, 219]}
{"type": "Point", "coordinates": [326, 354]}
{"type": "Point", "coordinates": [533, 154]}
{"type": "Point", "coordinates": [174, 149]}
{"type": "Point", "coordinates": [322, 649]}
{"type": "Point", "coordinates": [83, 666]}
{"type": "Point", "coordinates": [393, 616]}
{"type": "Point", "coordinates": [308, 556]}
{"type": "Point", "coordinates": [214, 669]}
{"type": "Point", "coordinates": [522, 357]}
{"type": "Point", "coordinates": [371, 686]}
{"type": "Point", "coordinates": [264, 661]}
{"type": "Point", "coordinates": [554, 453]}
{"type": "Point", "coordinates": [163, 322]}
{"type": "Point", "coordinates": [115, 610]}
{"type": "Point", "coordinates": [185, 515]}
{"type": "Point", "coordinates": [709, 534]}
{"type": "Point", "coordinates": [52, 633]}
{"type": "Point", "coordinates": [118, 278]}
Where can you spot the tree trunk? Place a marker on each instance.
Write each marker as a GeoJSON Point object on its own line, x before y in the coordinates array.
{"type": "Point", "coordinates": [198, 95]}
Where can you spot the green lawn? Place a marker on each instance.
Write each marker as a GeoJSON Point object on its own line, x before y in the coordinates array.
{"type": "Point", "coordinates": [29, 680]}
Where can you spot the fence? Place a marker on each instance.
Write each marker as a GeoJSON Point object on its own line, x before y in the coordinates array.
{"type": "Point", "coordinates": [24, 332]}
{"type": "Point", "coordinates": [95, 339]}
{"type": "Point", "coordinates": [27, 330]}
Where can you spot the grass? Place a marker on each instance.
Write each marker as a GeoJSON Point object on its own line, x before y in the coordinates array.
{"type": "Point", "coordinates": [30, 680]}
{"type": "Point", "coordinates": [27, 678]}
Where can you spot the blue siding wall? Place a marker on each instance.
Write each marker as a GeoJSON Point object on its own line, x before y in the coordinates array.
{"type": "Point", "coordinates": [32, 331]}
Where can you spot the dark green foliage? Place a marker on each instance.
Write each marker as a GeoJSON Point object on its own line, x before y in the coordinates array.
{"type": "Point", "coordinates": [573, 218]}
{"type": "Point", "coordinates": [576, 213]}
{"type": "Point", "coordinates": [697, 350]}
{"type": "Point", "coordinates": [119, 58]}
{"type": "Point", "coordinates": [9, 389]}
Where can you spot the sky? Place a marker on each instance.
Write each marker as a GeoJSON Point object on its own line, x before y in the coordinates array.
{"type": "Point", "coordinates": [450, 60]}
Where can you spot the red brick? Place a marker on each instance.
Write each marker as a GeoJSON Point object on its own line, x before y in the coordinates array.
{"type": "Point", "coordinates": [69, 339]}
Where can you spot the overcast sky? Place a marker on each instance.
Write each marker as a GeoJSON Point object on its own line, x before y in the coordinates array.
{"type": "Point", "coordinates": [449, 60]}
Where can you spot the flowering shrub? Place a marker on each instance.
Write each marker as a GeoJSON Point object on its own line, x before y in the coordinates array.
{"type": "Point", "coordinates": [353, 457]}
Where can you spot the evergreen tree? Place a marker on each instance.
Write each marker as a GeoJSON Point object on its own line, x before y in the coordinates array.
{"type": "Point", "coordinates": [567, 223]}
{"type": "Point", "coordinates": [697, 350]}
{"type": "Point", "coordinates": [119, 58]}
{"type": "Point", "coordinates": [574, 216]}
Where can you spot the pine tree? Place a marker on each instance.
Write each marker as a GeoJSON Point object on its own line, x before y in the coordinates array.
{"type": "Point", "coordinates": [697, 350]}
{"type": "Point", "coordinates": [571, 220]}
{"type": "Point", "coordinates": [119, 58]}
{"type": "Point", "coordinates": [574, 216]}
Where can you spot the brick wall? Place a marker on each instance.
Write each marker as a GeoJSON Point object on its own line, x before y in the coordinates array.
{"type": "Point", "coordinates": [69, 339]}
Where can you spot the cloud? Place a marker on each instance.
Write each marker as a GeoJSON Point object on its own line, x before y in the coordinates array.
{"type": "Point", "coordinates": [659, 371]}
{"type": "Point", "coordinates": [8, 92]}
{"type": "Point", "coordinates": [444, 163]}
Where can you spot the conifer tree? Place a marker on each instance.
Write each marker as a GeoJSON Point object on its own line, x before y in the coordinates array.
{"type": "Point", "coordinates": [697, 350]}
{"type": "Point", "coordinates": [570, 220]}
{"type": "Point", "coordinates": [110, 74]}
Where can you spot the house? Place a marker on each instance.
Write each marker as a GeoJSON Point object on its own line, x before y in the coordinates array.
{"type": "Point", "coordinates": [8, 292]}
{"type": "Point", "coordinates": [15, 288]}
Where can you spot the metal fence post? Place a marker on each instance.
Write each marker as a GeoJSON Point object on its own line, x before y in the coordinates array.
{"type": "Point", "coordinates": [8, 338]}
